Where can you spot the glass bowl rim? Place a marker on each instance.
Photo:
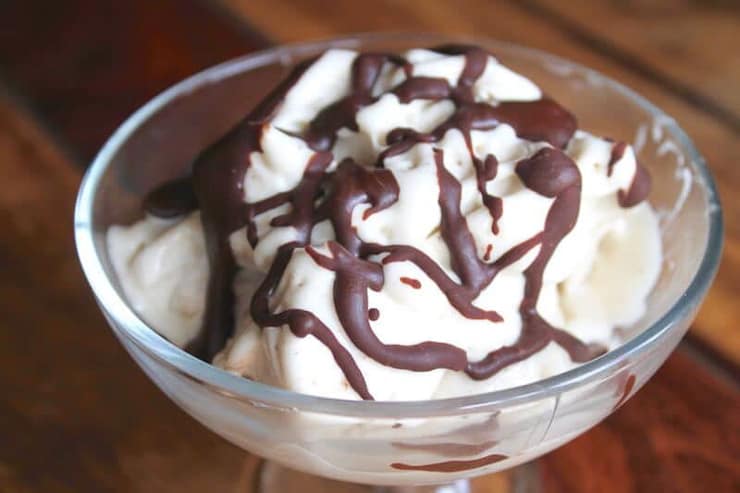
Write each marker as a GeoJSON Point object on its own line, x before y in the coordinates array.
{"type": "Point", "coordinates": [146, 338]}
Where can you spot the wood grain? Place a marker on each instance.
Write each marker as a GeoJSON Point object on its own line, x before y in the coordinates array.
{"type": "Point", "coordinates": [674, 42]}
{"type": "Point", "coordinates": [85, 65]}
{"type": "Point", "coordinates": [76, 415]}
{"type": "Point", "coordinates": [510, 21]}
{"type": "Point", "coordinates": [678, 434]}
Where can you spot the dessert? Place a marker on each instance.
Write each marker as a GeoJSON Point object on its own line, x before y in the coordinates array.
{"type": "Point", "coordinates": [397, 228]}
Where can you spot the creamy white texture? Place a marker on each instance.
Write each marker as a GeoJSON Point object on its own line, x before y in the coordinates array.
{"type": "Point", "coordinates": [163, 269]}
{"type": "Point", "coordinates": [597, 280]}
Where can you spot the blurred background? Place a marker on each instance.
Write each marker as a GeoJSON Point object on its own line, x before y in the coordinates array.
{"type": "Point", "coordinates": [76, 415]}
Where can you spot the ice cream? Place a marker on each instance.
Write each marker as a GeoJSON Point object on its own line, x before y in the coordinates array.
{"type": "Point", "coordinates": [397, 228]}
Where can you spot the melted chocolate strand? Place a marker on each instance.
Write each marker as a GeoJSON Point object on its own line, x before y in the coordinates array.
{"type": "Point", "coordinates": [543, 119]}
{"type": "Point", "coordinates": [216, 186]}
{"type": "Point", "coordinates": [323, 128]}
{"type": "Point", "coordinates": [217, 180]}
{"type": "Point", "coordinates": [476, 61]}
{"type": "Point", "coordinates": [350, 186]}
{"type": "Point", "coordinates": [414, 283]}
{"type": "Point", "coordinates": [303, 323]}
{"type": "Point", "coordinates": [452, 465]}
{"type": "Point", "coordinates": [489, 249]}
{"type": "Point", "coordinates": [486, 171]}
{"type": "Point", "coordinates": [639, 188]}
{"type": "Point", "coordinates": [353, 278]}
{"type": "Point", "coordinates": [551, 173]}
{"type": "Point", "coordinates": [256, 208]}
{"type": "Point", "coordinates": [473, 272]}
{"type": "Point", "coordinates": [301, 215]}
{"type": "Point", "coordinates": [641, 183]}
{"type": "Point", "coordinates": [460, 297]}
{"type": "Point", "coordinates": [616, 154]}
{"type": "Point", "coordinates": [422, 88]}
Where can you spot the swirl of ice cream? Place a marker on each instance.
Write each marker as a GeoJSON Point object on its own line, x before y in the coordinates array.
{"type": "Point", "coordinates": [396, 228]}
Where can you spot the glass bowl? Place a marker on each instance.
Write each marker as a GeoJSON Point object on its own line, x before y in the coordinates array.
{"type": "Point", "coordinates": [402, 443]}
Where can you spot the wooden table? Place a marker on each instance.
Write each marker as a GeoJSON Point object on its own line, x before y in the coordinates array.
{"type": "Point", "coordinates": [76, 415]}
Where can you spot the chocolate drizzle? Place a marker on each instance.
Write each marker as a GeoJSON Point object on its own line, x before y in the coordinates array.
{"type": "Point", "coordinates": [451, 465]}
{"type": "Point", "coordinates": [639, 187]}
{"type": "Point", "coordinates": [486, 171]}
{"type": "Point", "coordinates": [414, 283]}
{"type": "Point", "coordinates": [616, 154]}
{"type": "Point", "coordinates": [353, 278]}
{"type": "Point", "coordinates": [551, 173]}
{"type": "Point", "coordinates": [216, 187]}
{"type": "Point", "coordinates": [322, 130]}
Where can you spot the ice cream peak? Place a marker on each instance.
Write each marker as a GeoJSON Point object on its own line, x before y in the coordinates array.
{"type": "Point", "coordinates": [370, 188]}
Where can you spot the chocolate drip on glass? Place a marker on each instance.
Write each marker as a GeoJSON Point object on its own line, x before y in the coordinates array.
{"type": "Point", "coordinates": [451, 465]}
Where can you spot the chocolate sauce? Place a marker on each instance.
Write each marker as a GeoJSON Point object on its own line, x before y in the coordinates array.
{"type": "Point", "coordinates": [638, 190]}
{"type": "Point", "coordinates": [414, 283]}
{"type": "Point", "coordinates": [216, 187]}
{"type": "Point", "coordinates": [616, 154]}
{"type": "Point", "coordinates": [550, 172]}
{"type": "Point", "coordinates": [303, 323]}
{"type": "Point", "coordinates": [639, 187]}
{"type": "Point", "coordinates": [487, 254]}
{"type": "Point", "coordinates": [353, 278]}
{"type": "Point", "coordinates": [323, 129]}
{"type": "Point", "coordinates": [541, 120]}
{"type": "Point", "coordinates": [422, 88]}
{"type": "Point", "coordinates": [473, 272]}
{"type": "Point", "coordinates": [217, 183]}
{"type": "Point", "coordinates": [486, 171]}
{"type": "Point", "coordinates": [451, 465]}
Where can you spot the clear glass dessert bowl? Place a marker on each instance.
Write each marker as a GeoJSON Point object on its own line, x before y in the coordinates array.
{"type": "Point", "coordinates": [401, 443]}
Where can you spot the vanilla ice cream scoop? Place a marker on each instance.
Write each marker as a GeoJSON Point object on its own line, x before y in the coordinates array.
{"type": "Point", "coordinates": [398, 228]}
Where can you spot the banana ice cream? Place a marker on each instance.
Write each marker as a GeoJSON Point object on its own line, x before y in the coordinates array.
{"type": "Point", "coordinates": [397, 227]}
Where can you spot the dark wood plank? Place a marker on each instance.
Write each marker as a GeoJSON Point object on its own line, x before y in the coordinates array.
{"type": "Point", "coordinates": [76, 414]}
{"type": "Point", "coordinates": [80, 416]}
{"type": "Point", "coordinates": [670, 41]}
{"type": "Point", "coordinates": [678, 434]}
{"type": "Point", "coordinates": [84, 65]}
{"type": "Point", "coordinates": [509, 20]}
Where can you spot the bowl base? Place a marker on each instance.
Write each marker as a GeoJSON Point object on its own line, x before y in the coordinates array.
{"type": "Point", "coordinates": [274, 478]}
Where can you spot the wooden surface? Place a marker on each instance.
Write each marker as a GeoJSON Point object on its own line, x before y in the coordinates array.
{"type": "Point", "coordinates": [76, 415]}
